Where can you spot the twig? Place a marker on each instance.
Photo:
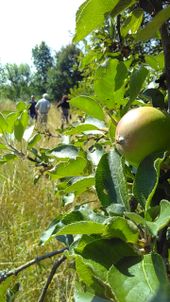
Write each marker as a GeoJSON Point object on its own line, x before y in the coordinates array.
{"type": "Point", "coordinates": [118, 25]}
{"type": "Point", "coordinates": [165, 38]}
{"type": "Point", "coordinates": [15, 271]}
{"type": "Point", "coordinates": [111, 117]}
{"type": "Point", "coordinates": [50, 277]}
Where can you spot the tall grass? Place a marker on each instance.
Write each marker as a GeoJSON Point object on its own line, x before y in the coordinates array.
{"type": "Point", "coordinates": [25, 212]}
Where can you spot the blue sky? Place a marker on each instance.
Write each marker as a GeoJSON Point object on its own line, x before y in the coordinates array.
{"type": "Point", "coordinates": [26, 23]}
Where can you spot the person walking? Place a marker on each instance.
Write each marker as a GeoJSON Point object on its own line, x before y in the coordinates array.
{"type": "Point", "coordinates": [32, 109]}
{"type": "Point", "coordinates": [42, 107]}
{"type": "Point", "coordinates": [65, 108]}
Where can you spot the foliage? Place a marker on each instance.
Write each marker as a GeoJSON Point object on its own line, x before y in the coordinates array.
{"type": "Point", "coordinates": [16, 81]}
{"type": "Point", "coordinates": [43, 61]}
{"type": "Point", "coordinates": [65, 74]}
{"type": "Point", "coordinates": [119, 244]}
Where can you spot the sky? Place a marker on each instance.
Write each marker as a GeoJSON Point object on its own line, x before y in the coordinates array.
{"type": "Point", "coordinates": [26, 23]}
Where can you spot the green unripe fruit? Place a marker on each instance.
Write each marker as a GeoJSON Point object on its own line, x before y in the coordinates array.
{"type": "Point", "coordinates": [142, 131]}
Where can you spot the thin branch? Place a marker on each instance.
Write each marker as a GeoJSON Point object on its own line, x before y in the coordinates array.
{"type": "Point", "coordinates": [118, 25]}
{"type": "Point", "coordinates": [166, 47]}
{"type": "Point", "coordinates": [15, 271]}
{"type": "Point", "coordinates": [111, 117]}
{"type": "Point", "coordinates": [50, 277]}
{"type": "Point", "coordinates": [165, 38]}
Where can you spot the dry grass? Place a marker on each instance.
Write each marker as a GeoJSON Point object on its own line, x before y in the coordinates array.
{"type": "Point", "coordinates": [25, 212]}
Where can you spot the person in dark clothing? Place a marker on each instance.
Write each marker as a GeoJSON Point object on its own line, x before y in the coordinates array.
{"type": "Point", "coordinates": [32, 109]}
{"type": "Point", "coordinates": [65, 108]}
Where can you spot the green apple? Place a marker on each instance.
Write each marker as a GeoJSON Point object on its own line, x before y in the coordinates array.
{"type": "Point", "coordinates": [142, 131]}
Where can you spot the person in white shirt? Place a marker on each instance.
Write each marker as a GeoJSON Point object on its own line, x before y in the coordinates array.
{"type": "Point", "coordinates": [42, 108]}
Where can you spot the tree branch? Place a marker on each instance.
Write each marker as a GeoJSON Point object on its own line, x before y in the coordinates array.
{"type": "Point", "coordinates": [166, 48]}
{"type": "Point", "coordinates": [165, 38]}
{"type": "Point", "coordinates": [50, 277]}
{"type": "Point", "coordinates": [15, 271]}
{"type": "Point", "coordinates": [118, 25]}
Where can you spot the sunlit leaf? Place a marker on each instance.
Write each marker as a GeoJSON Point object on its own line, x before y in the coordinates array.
{"type": "Point", "coordinates": [83, 227]}
{"type": "Point", "coordinates": [3, 123]}
{"type": "Point", "coordinates": [155, 61]}
{"type": "Point", "coordinates": [109, 80]}
{"type": "Point", "coordinates": [133, 22]}
{"type": "Point", "coordinates": [146, 179]}
{"type": "Point", "coordinates": [65, 151]}
{"type": "Point", "coordinates": [137, 80]}
{"type": "Point", "coordinates": [80, 128]}
{"type": "Point", "coordinates": [28, 133]}
{"type": "Point", "coordinates": [111, 184]}
{"type": "Point", "coordinates": [120, 227]}
{"type": "Point", "coordinates": [80, 184]}
{"type": "Point", "coordinates": [11, 118]}
{"type": "Point", "coordinates": [137, 279]}
{"type": "Point", "coordinates": [91, 15]}
{"type": "Point", "coordinates": [73, 167]}
{"type": "Point", "coordinates": [153, 26]}
{"type": "Point", "coordinates": [34, 140]}
{"type": "Point", "coordinates": [88, 105]}
{"type": "Point", "coordinates": [162, 220]}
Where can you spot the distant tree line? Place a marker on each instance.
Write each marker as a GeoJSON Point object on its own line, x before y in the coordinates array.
{"type": "Point", "coordinates": [56, 74]}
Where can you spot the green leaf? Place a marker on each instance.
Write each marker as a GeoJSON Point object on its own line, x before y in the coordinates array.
{"type": "Point", "coordinates": [7, 157]}
{"type": "Point", "coordinates": [81, 296]}
{"type": "Point", "coordinates": [111, 184]}
{"type": "Point", "coordinates": [155, 96]}
{"type": "Point", "coordinates": [106, 251]}
{"type": "Point", "coordinates": [91, 16]}
{"type": "Point", "coordinates": [3, 147]}
{"type": "Point", "coordinates": [136, 218]}
{"type": "Point", "coordinates": [80, 128]}
{"type": "Point", "coordinates": [152, 27]}
{"type": "Point", "coordinates": [65, 151]}
{"type": "Point", "coordinates": [115, 209]}
{"type": "Point", "coordinates": [88, 272]}
{"type": "Point", "coordinates": [109, 82]}
{"type": "Point", "coordinates": [73, 167]}
{"type": "Point", "coordinates": [59, 222]}
{"type": "Point", "coordinates": [28, 133]}
{"type": "Point", "coordinates": [137, 279]}
{"type": "Point", "coordinates": [146, 179]}
{"type": "Point", "coordinates": [88, 105]}
{"type": "Point", "coordinates": [11, 118]}
{"type": "Point", "coordinates": [20, 125]}
{"type": "Point", "coordinates": [34, 140]}
{"type": "Point", "coordinates": [18, 130]}
{"type": "Point", "coordinates": [96, 259]}
{"type": "Point", "coordinates": [162, 294]}
{"type": "Point", "coordinates": [119, 227]}
{"type": "Point", "coordinates": [21, 106]}
{"type": "Point", "coordinates": [49, 231]}
{"type": "Point", "coordinates": [12, 293]}
{"type": "Point", "coordinates": [133, 22]}
{"type": "Point", "coordinates": [80, 184]}
{"type": "Point", "coordinates": [95, 154]}
{"type": "Point", "coordinates": [137, 80]}
{"type": "Point", "coordinates": [3, 123]}
{"type": "Point", "coordinates": [4, 287]}
{"type": "Point", "coordinates": [122, 5]}
{"type": "Point", "coordinates": [155, 61]}
{"type": "Point", "coordinates": [162, 220]}
{"type": "Point", "coordinates": [83, 227]}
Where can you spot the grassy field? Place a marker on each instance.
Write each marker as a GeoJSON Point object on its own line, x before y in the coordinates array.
{"type": "Point", "coordinates": [25, 212]}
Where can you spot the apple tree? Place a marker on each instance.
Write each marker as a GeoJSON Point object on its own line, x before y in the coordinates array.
{"type": "Point", "coordinates": [118, 241]}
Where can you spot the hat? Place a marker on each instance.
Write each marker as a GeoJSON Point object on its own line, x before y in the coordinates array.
{"type": "Point", "coordinates": [45, 96]}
